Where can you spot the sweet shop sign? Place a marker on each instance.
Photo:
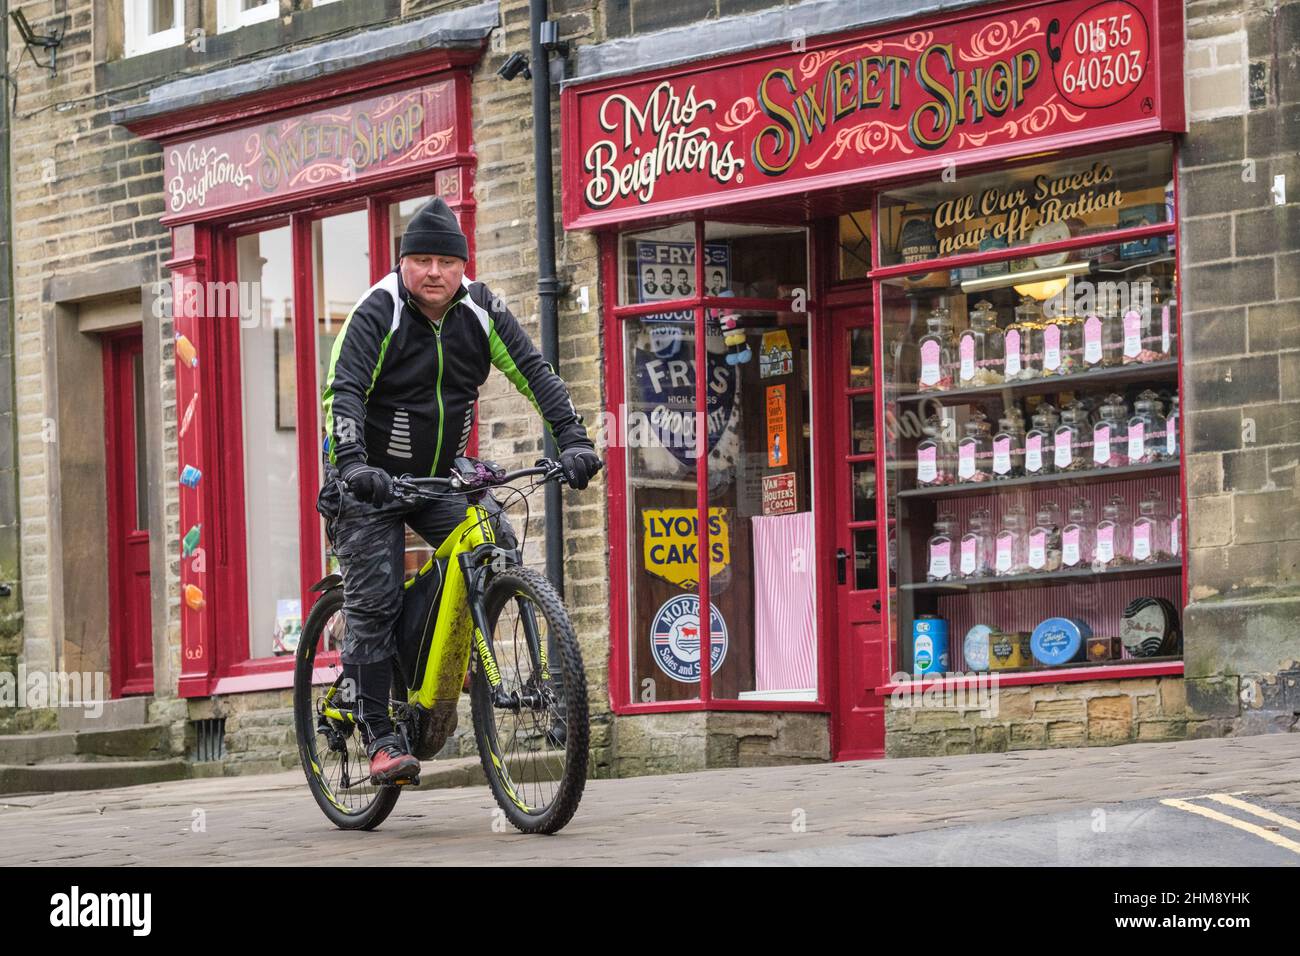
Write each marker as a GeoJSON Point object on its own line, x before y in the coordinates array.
{"type": "Point", "coordinates": [884, 104]}
{"type": "Point", "coordinates": [348, 142]}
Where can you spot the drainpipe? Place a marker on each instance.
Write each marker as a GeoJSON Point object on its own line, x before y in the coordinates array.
{"type": "Point", "coordinates": [548, 285]}
{"type": "Point", "coordinates": [10, 602]}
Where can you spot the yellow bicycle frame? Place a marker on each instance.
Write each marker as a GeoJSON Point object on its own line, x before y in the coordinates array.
{"type": "Point", "coordinates": [454, 630]}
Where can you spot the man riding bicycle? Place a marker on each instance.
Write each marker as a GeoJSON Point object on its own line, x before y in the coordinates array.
{"type": "Point", "coordinates": [399, 399]}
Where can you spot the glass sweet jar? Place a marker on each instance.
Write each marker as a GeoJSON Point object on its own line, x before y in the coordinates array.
{"type": "Point", "coordinates": [1009, 446]}
{"type": "Point", "coordinates": [1061, 348]}
{"type": "Point", "coordinates": [1112, 546]}
{"type": "Point", "coordinates": [1078, 535]}
{"type": "Point", "coordinates": [1039, 457]}
{"type": "Point", "coordinates": [1146, 430]}
{"type": "Point", "coordinates": [936, 453]}
{"type": "Point", "coordinates": [1043, 552]}
{"type": "Point", "coordinates": [941, 550]}
{"type": "Point", "coordinates": [975, 449]}
{"type": "Point", "coordinates": [937, 352]}
{"type": "Point", "coordinates": [1023, 337]}
{"type": "Point", "coordinates": [1070, 438]}
{"type": "Point", "coordinates": [1103, 339]}
{"type": "Point", "coordinates": [976, 559]}
{"type": "Point", "coordinates": [1011, 543]}
{"type": "Point", "coordinates": [1150, 537]}
{"type": "Point", "coordinates": [1110, 433]}
{"type": "Point", "coordinates": [980, 349]}
{"type": "Point", "coordinates": [1171, 430]}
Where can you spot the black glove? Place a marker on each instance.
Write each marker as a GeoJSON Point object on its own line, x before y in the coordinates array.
{"type": "Point", "coordinates": [367, 483]}
{"type": "Point", "coordinates": [580, 463]}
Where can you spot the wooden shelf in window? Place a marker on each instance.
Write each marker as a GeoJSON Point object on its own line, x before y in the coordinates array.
{"type": "Point", "coordinates": [1063, 478]}
{"type": "Point", "coordinates": [975, 585]}
{"type": "Point", "coordinates": [1148, 372]}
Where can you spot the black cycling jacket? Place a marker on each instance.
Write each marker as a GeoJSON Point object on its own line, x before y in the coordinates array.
{"type": "Point", "coordinates": [400, 389]}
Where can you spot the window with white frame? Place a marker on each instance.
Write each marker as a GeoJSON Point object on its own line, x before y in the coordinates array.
{"type": "Point", "coordinates": [233, 14]}
{"type": "Point", "coordinates": [153, 25]}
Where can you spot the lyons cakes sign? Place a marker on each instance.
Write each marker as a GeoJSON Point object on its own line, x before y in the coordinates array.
{"type": "Point", "coordinates": [812, 115]}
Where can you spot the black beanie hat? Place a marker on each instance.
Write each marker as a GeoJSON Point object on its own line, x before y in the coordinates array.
{"type": "Point", "coordinates": [433, 231]}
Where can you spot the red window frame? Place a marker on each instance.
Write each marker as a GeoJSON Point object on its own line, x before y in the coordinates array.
{"type": "Point", "coordinates": [620, 692]}
{"type": "Point", "coordinates": [234, 670]}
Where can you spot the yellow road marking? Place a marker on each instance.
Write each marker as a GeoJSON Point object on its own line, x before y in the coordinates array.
{"type": "Point", "coordinates": [1250, 808]}
{"type": "Point", "coordinates": [1258, 831]}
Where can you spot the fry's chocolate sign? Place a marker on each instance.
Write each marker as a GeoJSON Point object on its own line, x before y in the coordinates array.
{"type": "Point", "coordinates": [970, 88]}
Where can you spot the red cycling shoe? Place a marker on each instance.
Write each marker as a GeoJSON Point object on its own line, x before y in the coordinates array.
{"type": "Point", "coordinates": [391, 764]}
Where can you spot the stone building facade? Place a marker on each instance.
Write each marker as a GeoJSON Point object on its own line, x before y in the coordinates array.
{"type": "Point", "coordinates": [90, 257]}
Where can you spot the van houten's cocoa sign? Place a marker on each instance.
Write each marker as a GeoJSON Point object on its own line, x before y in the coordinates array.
{"type": "Point", "coordinates": [978, 87]}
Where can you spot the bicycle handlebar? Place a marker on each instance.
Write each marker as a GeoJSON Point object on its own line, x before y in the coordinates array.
{"type": "Point", "coordinates": [548, 467]}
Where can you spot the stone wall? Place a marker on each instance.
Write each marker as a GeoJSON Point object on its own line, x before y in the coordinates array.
{"type": "Point", "coordinates": [699, 740]}
{"type": "Point", "coordinates": [1241, 259]}
{"type": "Point", "coordinates": [1084, 714]}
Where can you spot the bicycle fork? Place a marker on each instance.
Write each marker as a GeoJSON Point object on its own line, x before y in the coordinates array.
{"type": "Point", "coordinates": [501, 698]}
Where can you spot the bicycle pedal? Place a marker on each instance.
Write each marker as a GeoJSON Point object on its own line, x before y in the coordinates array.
{"type": "Point", "coordinates": [409, 782]}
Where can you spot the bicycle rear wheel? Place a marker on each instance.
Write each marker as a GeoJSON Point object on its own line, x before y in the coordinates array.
{"type": "Point", "coordinates": [331, 750]}
{"type": "Point", "coordinates": [532, 730]}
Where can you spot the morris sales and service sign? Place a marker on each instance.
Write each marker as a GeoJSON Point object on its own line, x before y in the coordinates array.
{"type": "Point", "coordinates": [814, 114]}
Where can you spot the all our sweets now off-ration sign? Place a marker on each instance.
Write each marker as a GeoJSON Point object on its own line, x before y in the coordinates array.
{"type": "Point", "coordinates": [347, 142]}
{"type": "Point", "coordinates": [965, 88]}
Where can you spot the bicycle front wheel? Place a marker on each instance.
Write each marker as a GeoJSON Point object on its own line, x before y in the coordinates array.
{"type": "Point", "coordinates": [329, 740]}
{"type": "Point", "coordinates": [532, 729]}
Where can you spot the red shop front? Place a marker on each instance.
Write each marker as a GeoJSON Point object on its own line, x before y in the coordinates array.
{"type": "Point", "coordinates": [839, 232]}
{"type": "Point", "coordinates": [284, 208]}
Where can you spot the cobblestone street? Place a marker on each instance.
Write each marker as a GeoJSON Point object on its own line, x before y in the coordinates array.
{"type": "Point", "coordinates": [1037, 806]}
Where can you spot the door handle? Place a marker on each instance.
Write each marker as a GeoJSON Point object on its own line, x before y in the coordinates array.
{"type": "Point", "coordinates": [841, 565]}
{"type": "Point", "coordinates": [875, 605]}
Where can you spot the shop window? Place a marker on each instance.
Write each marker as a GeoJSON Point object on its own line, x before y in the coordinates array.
{"type": "Point", "coordinates": [853, 245]}
{"type": "Point", "coordinates": [1032, 453]}
{"type": "Point", "coordinates": [754, 435]}
{"type": "Point", "coordinates": [760, 496]}
{"type": "Point", "coordinates": [1014, 208]}
{"type": "Point", "coordinates": [658, 266]}
{"type": "Point", "coordinates": [152, 25]}
{"type": "Point", "coordinates": [399, 217]}
{"type": "Point", "coordinates": [233, 14]}
{"type": "Point", "coordinates": [755, 262]}
{"type": "Point", "coordinates": [340, 276]}
{"type": "Point", "coordinates": [268, 384]}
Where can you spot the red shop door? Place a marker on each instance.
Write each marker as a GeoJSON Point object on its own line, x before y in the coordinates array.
{"type": "Point", "coordinates": [859, 720]}
{"type": "Point", "coordinates": [129, 626]}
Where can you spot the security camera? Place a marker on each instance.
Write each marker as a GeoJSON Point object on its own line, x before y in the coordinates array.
{"type": "Point", "coordinates": [515, 64]}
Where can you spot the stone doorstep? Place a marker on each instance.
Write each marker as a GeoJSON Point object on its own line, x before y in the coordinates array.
{"type": "Point", "coordinates": [117, 714]}
{"type": "Point", "coordinates": [68, 746]}
{"type": "Point", "coordinates": [59, 777]}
